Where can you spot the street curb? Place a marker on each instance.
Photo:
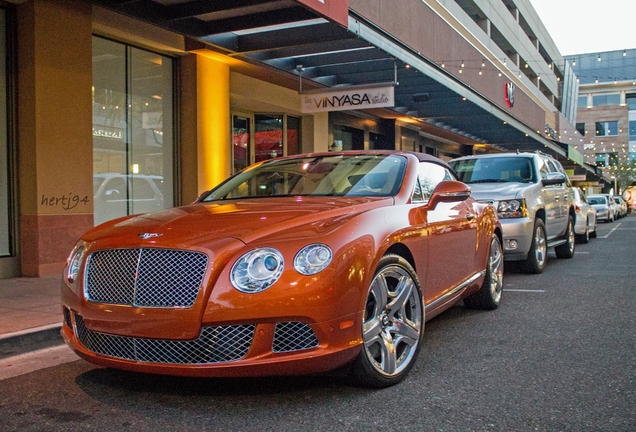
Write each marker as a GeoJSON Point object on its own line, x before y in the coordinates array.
{"type": "Point", "coordinates": [12, 344]}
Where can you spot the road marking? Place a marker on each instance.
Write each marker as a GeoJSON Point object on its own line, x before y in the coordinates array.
{"type": "Point", "coordinates": [25, 363]}
{"type": "Point", "coordinates": [611, 231]}
{"type": "Point", "coordinates": [581, 253]}
{"type": "Point", "coordinates": [522, 290]}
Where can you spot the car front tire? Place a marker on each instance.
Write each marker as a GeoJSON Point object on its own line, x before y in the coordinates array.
{"type": "Point", "coordinates": [538, 254]}
{"type": "Point", "coordinates": [392, 325]}
{"type": "Point", "coordinates": [489, 295]}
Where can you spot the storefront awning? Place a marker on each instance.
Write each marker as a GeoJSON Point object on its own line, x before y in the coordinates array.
{"type": "Point", "coordinates": [332, 48]}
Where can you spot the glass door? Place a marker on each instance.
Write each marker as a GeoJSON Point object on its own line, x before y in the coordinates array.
{"type": "Point", "coordinates": [242, 141]}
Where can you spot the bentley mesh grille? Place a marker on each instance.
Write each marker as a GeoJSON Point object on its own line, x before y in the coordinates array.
{"type": "Point", "coordinates": [293, 336]}
{"type": "Point", "coordinates": [145, 277]}
{"type": "Point", "coordinates": [214, 345]}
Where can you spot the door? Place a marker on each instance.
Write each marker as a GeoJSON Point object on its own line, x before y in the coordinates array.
{"type": "Point", "coordinates": [242, 141]}
{"type": "Point", "coordinates": [452, 231]}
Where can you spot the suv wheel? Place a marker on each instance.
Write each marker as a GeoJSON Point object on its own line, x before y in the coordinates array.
{"type": "Point", "coordinates": [566, 250]}
{"type": "Point", "coordinates": [538, 254]}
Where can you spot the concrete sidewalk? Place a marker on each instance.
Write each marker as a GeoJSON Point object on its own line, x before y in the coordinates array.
{"type": "Point", "coordinates": [30, 314]}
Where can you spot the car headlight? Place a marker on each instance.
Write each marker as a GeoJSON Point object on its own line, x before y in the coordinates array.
{"type": "Point", "coordinates": [257, 270]}
{"type": "Point", "coordinates": [515, 208]}
{"type": "Point", "coordinates": [312, 259]}
{"type": "Point", "coordinates": [74, 264]}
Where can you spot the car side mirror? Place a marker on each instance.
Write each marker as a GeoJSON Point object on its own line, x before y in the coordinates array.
{"type": "Point", "coordinates": [448, 191]}
{"type": "Point", "coordinates": [553, 179]}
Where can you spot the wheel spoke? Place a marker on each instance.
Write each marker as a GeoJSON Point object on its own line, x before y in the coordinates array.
{"type": "Point", "coordinates": [379, 290]}
{"type": "Point", "coordinates": [406, 332]}
{"type": "Point", "coordinates": [389, 357]}
{"type": "Point", "coordinates": [371, 330]}
{"type": "Point", "coordinates": [404, 290]}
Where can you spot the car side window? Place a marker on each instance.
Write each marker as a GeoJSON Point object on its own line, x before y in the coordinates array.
{"type": "Point", "coordinates": [543, 169]}
{"type": "Point", "coordinates": [429, 175]}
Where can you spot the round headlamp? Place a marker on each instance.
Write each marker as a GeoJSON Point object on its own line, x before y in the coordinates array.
{"type": "Point", "coordinates": [74, 264]}
{"type": "Point", "coordinates": [257, 270]}
{"type": "Point", "coordinates": [312, 259]}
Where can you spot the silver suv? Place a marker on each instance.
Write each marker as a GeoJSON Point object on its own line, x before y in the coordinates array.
{"type": "Point", "coordinates": [534, 201]}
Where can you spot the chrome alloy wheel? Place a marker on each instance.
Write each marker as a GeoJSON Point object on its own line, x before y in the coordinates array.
{"type": "Point", "coordinates": [393, 320]}
{"type": "Point", "coordinates": [541, 247]}
{"type": "Point", "coordinates": [496, 269]}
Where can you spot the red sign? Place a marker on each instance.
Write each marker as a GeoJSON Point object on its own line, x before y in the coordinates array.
{"type": "Point", "coordinates": [509, 94]}
{"type": "Point", "coordinates": [333, 10]}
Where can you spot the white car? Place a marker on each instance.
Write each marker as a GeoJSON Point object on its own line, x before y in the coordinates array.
{"type": "Point", "coordinates": [603, 206]}
{"type": "Point", "coordinates": [585, 221]}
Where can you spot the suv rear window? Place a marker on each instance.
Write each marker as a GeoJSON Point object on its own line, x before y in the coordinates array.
{"type": "Point", "coordinates": [495, 170]}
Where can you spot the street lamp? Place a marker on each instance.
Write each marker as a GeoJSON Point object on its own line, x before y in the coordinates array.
{"type": "Point", "coordinates": [615, 190]}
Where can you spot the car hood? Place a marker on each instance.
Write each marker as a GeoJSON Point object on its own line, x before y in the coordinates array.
{"type": "Point", "coordinates": [497, 191]}
{"type": "Point", "coordinates": [245, 220]}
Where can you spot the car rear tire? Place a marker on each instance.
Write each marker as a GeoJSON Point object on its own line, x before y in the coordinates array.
{"type": "Point", "coordinates": [392, 325]}
{"type": "Point", "coordinates": [566, 250]}
{"type": "Point", "coordinates": [538, 254]}
{"type": "Point", "coordinates": [489, 295]}
{"type": "Point", "coordinates": [585, 237]}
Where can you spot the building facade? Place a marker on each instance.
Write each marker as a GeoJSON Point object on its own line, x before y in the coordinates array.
{"type": "Point", "coordinates": [606, 114]}
{"type": "Point", "coordinates": [117, 108]}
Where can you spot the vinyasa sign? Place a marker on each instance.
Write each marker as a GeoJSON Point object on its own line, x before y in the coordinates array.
{"type": "Point", "coordinates": [343, 100]}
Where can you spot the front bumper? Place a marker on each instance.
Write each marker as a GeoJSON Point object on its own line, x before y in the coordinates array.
{"type": "Point", "coordinates": [517, 237]}
{"type": "Point", "coordinates": [251, 349]}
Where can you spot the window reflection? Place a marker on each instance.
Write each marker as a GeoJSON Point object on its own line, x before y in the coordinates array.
{"type": "Point", "coordinates": [132, 130]}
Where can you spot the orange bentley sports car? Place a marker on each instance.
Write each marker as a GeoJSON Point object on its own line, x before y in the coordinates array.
{"type": "Point", "coordinates": [296, 265]}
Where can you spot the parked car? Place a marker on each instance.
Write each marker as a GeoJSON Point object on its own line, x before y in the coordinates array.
{"type": "Point", "coordinates": [585, 222]}
{"type": "Point", "coordinates": [295, 265]}
{"type": "Point", "coordinates": [603, 206]}
{"type": "Point", "coordinates": [534, 202]}
{"type": "Point", "coordinates": [622, 206]}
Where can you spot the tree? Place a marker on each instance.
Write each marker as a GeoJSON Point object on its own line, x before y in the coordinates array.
{"type": "Point", "coordinates": [624, 173]}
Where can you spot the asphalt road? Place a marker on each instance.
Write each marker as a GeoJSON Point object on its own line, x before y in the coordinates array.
{"type": "Point", "coordinates": [558, 355]}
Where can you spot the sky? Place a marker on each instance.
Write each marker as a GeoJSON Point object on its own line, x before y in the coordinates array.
{"type": "Point", "coordinates": [588, 26]}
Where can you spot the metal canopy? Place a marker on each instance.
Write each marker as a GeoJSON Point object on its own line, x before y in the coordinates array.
{"type": "Point", "coordinates": [290, 39]}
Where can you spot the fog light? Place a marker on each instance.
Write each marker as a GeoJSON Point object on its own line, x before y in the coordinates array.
{"type": "Point", "coordinates": [512, 244]}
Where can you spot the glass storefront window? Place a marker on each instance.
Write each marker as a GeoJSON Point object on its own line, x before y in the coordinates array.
{"type": "Point", "coordinates": [268, 137]}
{"type": "Point", "coordinates": [293, 135]}
{"type": "Point", "coordinates": [274, 135]}
{"type": "Point", "coordinates": [132, 130]}
{"type": "Point", "coordinates": [347, 138]}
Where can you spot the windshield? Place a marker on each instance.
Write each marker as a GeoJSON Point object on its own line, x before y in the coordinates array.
{"type": "Point", "coordinates": [338, 175]}
{"type": "Point", "coordinates": [495, 170]}
{"type": "Point", "coordinates": [596, 200]}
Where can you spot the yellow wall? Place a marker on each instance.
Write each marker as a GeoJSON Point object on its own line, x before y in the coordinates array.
{"type": "Point", "coordinates": [54, 110]}
{"type": "Point", "coordinates": [54, 124]}
{"type": "Point", "coordinates": [213, 122]}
